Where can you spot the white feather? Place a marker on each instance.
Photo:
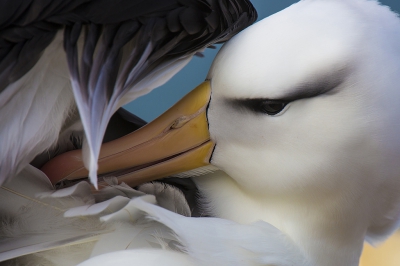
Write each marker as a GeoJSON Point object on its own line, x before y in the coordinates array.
{"type": "Point", "coordinates": [102, 208]}
{"type": "Point", "coordinates": [69, 223]}
{"type": "Point", "coordinates": [197, 172]}
{"type": "Point", "coordinates": [167, 197]}
{"type": "Point", "coordinates": [140, 257]}
{"type": "Point", "coordinates": [43, 226]}
{"type": "Point", "coordinates": [30, 224]}
{"type": "Point", "coordinates": [33, 110]}
{"type": "Point", "coordinates": [214, 241]}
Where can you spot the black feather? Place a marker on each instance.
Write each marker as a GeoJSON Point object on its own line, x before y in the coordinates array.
{"type": "Point", "coordinates": [27, 27]}
{"type": "Point", "coordinates": [111, 46]}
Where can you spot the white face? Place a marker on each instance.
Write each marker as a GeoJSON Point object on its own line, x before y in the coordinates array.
{"type": "Point", "coordinates": [334, 68]}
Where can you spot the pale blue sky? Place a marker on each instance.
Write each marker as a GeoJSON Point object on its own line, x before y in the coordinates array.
{"type": "Point", "coordinates": [159, 100]}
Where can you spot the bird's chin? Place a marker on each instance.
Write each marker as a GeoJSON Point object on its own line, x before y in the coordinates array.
{"type": "Point", "coordinates": [175, 142]}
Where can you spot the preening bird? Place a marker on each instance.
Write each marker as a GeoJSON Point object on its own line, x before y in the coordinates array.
{"type": "Point", "coordinates": [299, 113]}
{"type": "Point", "coordinates": [61, 57]}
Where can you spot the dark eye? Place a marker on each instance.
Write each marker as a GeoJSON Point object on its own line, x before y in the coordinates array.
{"type": "Point", "coordinates": [260, 106]}
{"type": "Point", "coordinates": [271, 107]}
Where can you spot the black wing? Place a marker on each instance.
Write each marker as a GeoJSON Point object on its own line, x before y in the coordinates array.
{"type": "Point", "coordinates": [116, 50]}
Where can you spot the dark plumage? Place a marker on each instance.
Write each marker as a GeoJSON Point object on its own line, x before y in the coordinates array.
{"type": "Point", "coordinates": [174, 28]}
{"type": "Point", "coordinates": [115, 50]}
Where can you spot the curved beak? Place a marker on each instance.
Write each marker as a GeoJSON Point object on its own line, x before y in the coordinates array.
{"type": "Point", "coordinates": [175, 142]}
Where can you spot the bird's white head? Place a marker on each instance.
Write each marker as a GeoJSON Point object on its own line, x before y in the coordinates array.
{"type": "Point", "coordinates": [305, 116]}
{"type": "Point", "coordinates": [307, 98]}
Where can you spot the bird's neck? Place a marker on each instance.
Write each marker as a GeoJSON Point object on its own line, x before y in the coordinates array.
{"type": "Point", "coordinates": [325, 234]}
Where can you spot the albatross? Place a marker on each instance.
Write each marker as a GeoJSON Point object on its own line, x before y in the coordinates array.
{"type": "Point", "coordinates": [299, 114]}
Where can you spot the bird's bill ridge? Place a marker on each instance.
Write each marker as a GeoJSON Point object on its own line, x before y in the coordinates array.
{"type": "Point", "coordinates": [175, 142]}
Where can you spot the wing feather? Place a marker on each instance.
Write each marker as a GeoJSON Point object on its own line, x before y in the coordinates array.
{"type": "Point", "coordinates": [116, 51]}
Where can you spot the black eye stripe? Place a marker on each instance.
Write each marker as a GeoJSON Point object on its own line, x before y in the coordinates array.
{"type": "Point", "coordinates": [314, 86]}
{"type": "Point", "coordinates": [261, 106]}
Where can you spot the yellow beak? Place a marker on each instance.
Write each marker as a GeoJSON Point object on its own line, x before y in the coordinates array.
{"type": "Point", "coordinates": [175, 142]}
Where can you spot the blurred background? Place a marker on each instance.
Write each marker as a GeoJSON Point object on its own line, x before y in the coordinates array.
{"type": "Point", "coordinates": [159, 100]}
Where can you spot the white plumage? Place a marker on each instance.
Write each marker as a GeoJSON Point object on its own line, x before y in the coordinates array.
{"type": "Point", "coordinates": [66, 227]}
{"type": "Point", "coordinates": [42, 110]}
{"type": "Point", "coordinates": [305, 185]}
